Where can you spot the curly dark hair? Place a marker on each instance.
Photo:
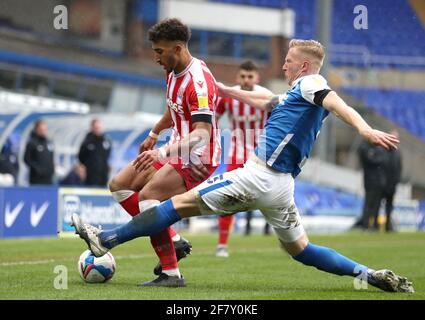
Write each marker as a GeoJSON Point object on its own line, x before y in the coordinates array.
{"type": "Point", "coordinates": [248, 65]}
{"type": "Point", "coordinates": [170, 30]}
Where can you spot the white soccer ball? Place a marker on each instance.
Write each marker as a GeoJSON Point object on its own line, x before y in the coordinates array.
{"type": "Point", "coordinates": [96, 270]}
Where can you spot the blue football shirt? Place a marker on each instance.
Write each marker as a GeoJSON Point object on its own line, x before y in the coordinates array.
{"type": "Point", "coordinates": [293, 126]}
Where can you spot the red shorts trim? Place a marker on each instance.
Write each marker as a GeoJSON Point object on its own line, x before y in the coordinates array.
{"type": "Point", "coordinates": [158, 165]}
{"type": "Point", "coordinates": [231, 167]}
{"type": "Point", "coordinates": [185, 173]}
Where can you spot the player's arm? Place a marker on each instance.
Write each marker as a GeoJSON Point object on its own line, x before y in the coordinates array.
{"type": "Point", "coordinates": [333, 103]}
{"type": "Point", "coordinates": [164, 123]}
{"type": "Point", "coordinates": [259, 99]}
{"type": "Point", "coordinates": [199, 137]}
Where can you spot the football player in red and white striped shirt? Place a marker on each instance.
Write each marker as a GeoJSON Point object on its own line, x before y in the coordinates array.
{"type": "Point", "coordinates": [247, 123]}
{"type": "Point", "coordinates": [192, 154]}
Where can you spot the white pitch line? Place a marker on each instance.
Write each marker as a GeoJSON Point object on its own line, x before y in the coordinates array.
{"type": "Point", "coordinates": [29, 262]}
{"type": "Point", "coordinates": [19, 263]}
{"type": "Point", "coordinates": [119, 257]}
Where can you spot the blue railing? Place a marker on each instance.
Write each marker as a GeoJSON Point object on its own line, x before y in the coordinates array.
{"type": "Point", "coordinates": [57, 65]}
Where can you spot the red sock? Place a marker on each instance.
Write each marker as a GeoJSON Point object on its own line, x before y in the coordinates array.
{"type": "Point", "coordinates": [224, 225]}
{"type": "Point", "coordinates": [172, 232]}
{"type": "Point", "coordinates": [162, 242]}
{"type": "Point", "coordinates": [164, 248]}
{"type": "Point", "coordinates": [131, 204]}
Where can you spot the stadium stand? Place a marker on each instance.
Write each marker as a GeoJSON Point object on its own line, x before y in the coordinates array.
{"type": "Point", "coordinates": [313, 199]}
{"type": "Point", "coordinates": [76, 68]}
{"type": "Point", "coordinates": [404, 108]}
{"type": "Point", "coordinates": [400, 46]}
{"type": "Point", "coordinates": [406, 28]}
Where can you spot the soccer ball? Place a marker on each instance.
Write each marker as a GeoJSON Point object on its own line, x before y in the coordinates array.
{"type": "Point", "coordinates": [96, 270]}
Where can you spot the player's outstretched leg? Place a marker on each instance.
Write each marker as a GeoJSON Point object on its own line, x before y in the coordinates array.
{"type": "Point", "coordinates": [150, 222]}
{"type": "Point", "coordinates": [329, 260]}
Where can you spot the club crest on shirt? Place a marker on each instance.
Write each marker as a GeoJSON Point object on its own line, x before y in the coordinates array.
{"type": "Point", "coordinates": [318, 81]}
{"type": "Point", "coordinates": [180, 92]}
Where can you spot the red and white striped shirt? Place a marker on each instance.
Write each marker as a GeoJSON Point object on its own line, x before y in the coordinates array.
{"type": "Point", "coordinates": [194, 92]}
{"type": "Point", "coordinates": [247, 123]}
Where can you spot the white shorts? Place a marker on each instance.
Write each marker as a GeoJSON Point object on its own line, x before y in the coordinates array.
{"type": "Point", "coordinates": [255, 186]}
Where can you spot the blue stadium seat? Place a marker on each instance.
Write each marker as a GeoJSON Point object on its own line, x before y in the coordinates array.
{"type": "Point", "coordinates": [313, 199]}
{"type": "Point", "coordinates": [394, 29]}
{"type": "Point", "coordinates": [405, 108]}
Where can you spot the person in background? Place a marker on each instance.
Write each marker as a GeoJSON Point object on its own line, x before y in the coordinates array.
{"type": "Point", "coordinates": [392, 169]}
{"type": "Point", "coordinates": [372, 159]}
{"type": "Point", "coordinates": [94, 155]}
{"type": "Point", "coordinates": [9, 165]}
{"type": "Point", "coordinates": [76, 177]}
{"type": "Point", "coordinates": [249, 215]}
{"type": "Point", "coordinates": [39, 154]}
{"type": "Point", "coordinates": [247, 123]}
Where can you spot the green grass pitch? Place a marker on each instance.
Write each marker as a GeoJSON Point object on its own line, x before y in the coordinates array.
{"type": "Point", "coordinates": [256, 269]}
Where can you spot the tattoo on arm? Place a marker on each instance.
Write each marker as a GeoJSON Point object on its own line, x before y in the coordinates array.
{"type": "Point", "coordinates": [274, 101]}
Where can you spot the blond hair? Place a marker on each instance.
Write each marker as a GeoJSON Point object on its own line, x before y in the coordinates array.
{"type": "Point", "coordinates": [312, 48]}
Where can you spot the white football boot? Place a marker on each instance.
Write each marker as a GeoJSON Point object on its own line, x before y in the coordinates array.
{"type": "Point", "coordinates": [222, 252]}
{"type": "Point", "coordinates": [89, 234]}
{"type": "Point", "coordinates": [389, 281]}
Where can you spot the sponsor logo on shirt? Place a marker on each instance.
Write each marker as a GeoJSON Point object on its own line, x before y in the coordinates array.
{"type": "Point", "coordinates": [203, 102]}
{"type": "Point", "coordinates": [174, 106]}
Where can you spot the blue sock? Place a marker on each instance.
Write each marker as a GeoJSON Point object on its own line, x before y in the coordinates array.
{"type": "Point", "coordinates": [147, 223]}
{"type": "Point", "coordinates": [329, 260]}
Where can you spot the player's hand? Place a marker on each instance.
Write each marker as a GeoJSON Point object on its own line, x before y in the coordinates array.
{"type": "Point", "coordinates": [198, 170]}
{"type": "Point", "coordinates": [147, 144]}
{"type": "Point", "coordinates": [145, 159]}
{"type": "Point", "coordinates": [223, 91]}
{"type": "Point", "coordinates": [380, 138]}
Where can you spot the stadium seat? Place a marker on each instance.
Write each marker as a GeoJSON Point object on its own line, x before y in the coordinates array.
{"type": "Point", "coordinates": [405, 108]}
{"type": "Point", "coordinates": [404, 38]}
{"type": "Point", "coordinates": [313, 199]}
